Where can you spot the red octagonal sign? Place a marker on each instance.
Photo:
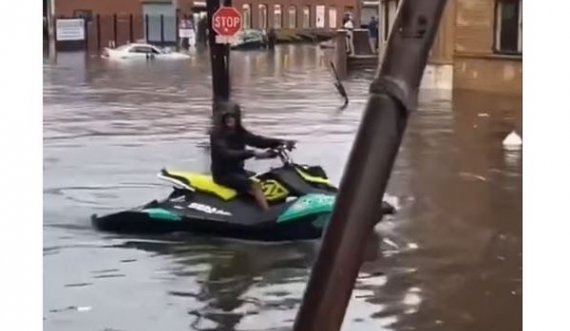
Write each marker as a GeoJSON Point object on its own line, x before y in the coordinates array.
{"type": "Point", "coordinates": [226, 21]}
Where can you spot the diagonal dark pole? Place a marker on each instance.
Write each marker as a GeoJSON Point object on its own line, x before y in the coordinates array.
{"type": "Point", "coordinates": [219, 56]}
{"type": "Point", "coordinates": [393, 95]}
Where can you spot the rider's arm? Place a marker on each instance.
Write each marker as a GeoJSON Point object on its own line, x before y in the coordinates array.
{"type": "Point", "coordinates": [260, 141]}
{"type": "Point", "coordinates": [223, 148]}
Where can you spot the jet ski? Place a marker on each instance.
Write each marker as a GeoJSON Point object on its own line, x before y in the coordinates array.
{"type": "Point", "coordinates": [301, 200]}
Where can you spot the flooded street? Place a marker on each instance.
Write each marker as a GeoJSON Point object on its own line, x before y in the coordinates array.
{"type": "Point", "coordinates": [451, 259]}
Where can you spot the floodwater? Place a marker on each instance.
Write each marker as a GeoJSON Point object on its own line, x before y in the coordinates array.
{"type": "Point", "coordinates": [449, 260]}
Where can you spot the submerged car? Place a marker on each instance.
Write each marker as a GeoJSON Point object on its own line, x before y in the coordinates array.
{"type": "Point", "coordinates": [250, 39]}
{"type": "Point", "coordinates": [141, 51]}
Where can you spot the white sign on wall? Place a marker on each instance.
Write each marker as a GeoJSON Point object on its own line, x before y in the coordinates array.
{"type": "Point", "coordinates": [320, 16]}
{"type": "Point", "coordinates": [68, 29]}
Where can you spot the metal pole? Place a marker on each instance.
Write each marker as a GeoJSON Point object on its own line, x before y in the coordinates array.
{"type": "Point", "coordinates": [177, 28]}
{"type": "Point", "coordinates": [146, 28]}
{"type": "Point", "coordinates": [131, 37]}
{"type": "Point", "coordinates": [86, 35]}
{"type": "Point", "coordinates": [161, 30]}
{"type": "Point", "coordinates": [98, 19]}
{"type": "Point", "coordinates": [358, 209]}
{"type": "Point", "coordinates": [219, 56]}
{"type": "Point", "coordinates": [52, 51]}
{"type": "Point", "coordinates": [114, 30]}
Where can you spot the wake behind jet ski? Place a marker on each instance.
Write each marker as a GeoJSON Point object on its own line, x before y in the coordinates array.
{"type": "Point", "coordinates": [301, 199]}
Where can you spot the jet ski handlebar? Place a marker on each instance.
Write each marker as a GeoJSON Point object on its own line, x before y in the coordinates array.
{"type": "Point", "coordinates": [282, 152]}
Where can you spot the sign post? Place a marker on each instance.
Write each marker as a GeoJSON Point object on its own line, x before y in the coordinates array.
{"type": "Point", "coordinates": [226, 22]}
{"type": "Point", "coordinates": [51, 30]}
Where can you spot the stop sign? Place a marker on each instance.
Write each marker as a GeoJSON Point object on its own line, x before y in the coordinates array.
{"type": "Point", "coordinates": [226, 21]}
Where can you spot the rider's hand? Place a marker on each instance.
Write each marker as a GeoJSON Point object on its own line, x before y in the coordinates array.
{"type": "Point", "coordinates": [289, 144]}
{"type": "Point", "coordinates": [268, 154]}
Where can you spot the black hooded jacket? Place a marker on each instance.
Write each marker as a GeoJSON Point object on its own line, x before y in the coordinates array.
{"type": "Point", "coordinates": [228, 150]}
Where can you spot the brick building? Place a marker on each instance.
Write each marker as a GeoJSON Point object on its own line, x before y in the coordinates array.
{"type": "Point", "coordinates": [478, 45]}
{"type": "Point", "coordinates": [260, 14]}
{"type": "Point", "coordinates": [488, 45]}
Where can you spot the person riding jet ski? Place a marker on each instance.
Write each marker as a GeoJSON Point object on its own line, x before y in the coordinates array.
{"type": "Point", "coordinates": [228, 141]}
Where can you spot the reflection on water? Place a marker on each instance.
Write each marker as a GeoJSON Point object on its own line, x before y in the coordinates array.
{"type": "Point", "coordinates": [450, 260]}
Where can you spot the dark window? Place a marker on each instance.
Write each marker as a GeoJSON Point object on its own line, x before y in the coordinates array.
{"type": "Point", "coordinates": [508, 27]}
{"type": "Point", "coordinates": [143, 49]}
{"type": "Point", "coordinates": [86, 14]}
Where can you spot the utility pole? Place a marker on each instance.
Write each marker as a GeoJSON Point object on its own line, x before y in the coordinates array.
{"type": "Point", "coordinates": [393, 96]}
{"type": "Point", "coordinates": [51, 30]}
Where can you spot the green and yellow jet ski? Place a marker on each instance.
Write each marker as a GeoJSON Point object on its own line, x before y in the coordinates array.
{"type": "Point", "coordinates": [301, 200]}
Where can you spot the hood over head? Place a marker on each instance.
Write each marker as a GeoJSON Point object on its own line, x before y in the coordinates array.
{"type": "Point", "coordinates": [224, 109]}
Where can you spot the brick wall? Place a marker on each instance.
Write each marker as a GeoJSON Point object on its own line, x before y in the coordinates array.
{"type": "Point", "coordinates": [443, 45]}
{"type": "Point", "coordinates": [474, 24]}
{"type": "Point", "coordinates": [341, 7]}
{"type": "Point", "coordinates": [476, 66]}
{"type": "Point", "coordinates": [102, 7]}
{"type": "Point", "coordinates": [105, 9]}
{"type": "Point", "coordinates": [488, 74]}
{"type": "Point", "coordinates": [126, 7]}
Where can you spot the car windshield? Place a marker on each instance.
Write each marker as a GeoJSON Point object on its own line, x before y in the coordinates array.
{"type": "Point", "coordinates": [250, 35]}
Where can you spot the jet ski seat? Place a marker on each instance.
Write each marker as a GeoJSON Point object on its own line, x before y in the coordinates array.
{"type": "Point", "coordinates": [197, 182]}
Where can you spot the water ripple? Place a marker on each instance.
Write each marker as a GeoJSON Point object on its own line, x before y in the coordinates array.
{"type": "Point", "coordinates": [109, 128]}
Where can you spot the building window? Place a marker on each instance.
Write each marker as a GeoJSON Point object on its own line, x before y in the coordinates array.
{"type": "Point", "coordinates": [246, 14]}
{"type": "Point", "coordinates": [320, 16]}
{"type": "Point", "coordinates": [332, 18]}
{"type": "Point", "coordinates": [508, 27]}
{"type": "Point", "coordinates": [262, 17]}
{"type": "Point", "coordinates": [292, 17]}
{"type": "Point", "coordinates": [277, 17]}
{"type": "Point", "coordinates": [85, 14]}
{"type": "Point", "coordinates": [306, 17]}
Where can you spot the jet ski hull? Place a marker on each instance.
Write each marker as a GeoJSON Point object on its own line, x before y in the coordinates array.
{"type": "Point", "coordinates": [141, 223]}
{"type": "Point", "coordinates": [164, 217]}
{"type": "Point", "coordinates": [301, 201]}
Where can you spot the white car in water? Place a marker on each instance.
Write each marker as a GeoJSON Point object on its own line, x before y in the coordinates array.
{"type": "Point", "coordinates": [141, 51]}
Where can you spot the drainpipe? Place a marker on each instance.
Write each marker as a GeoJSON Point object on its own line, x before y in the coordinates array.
{"type": "Point", "coordinates": [393, 96]}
